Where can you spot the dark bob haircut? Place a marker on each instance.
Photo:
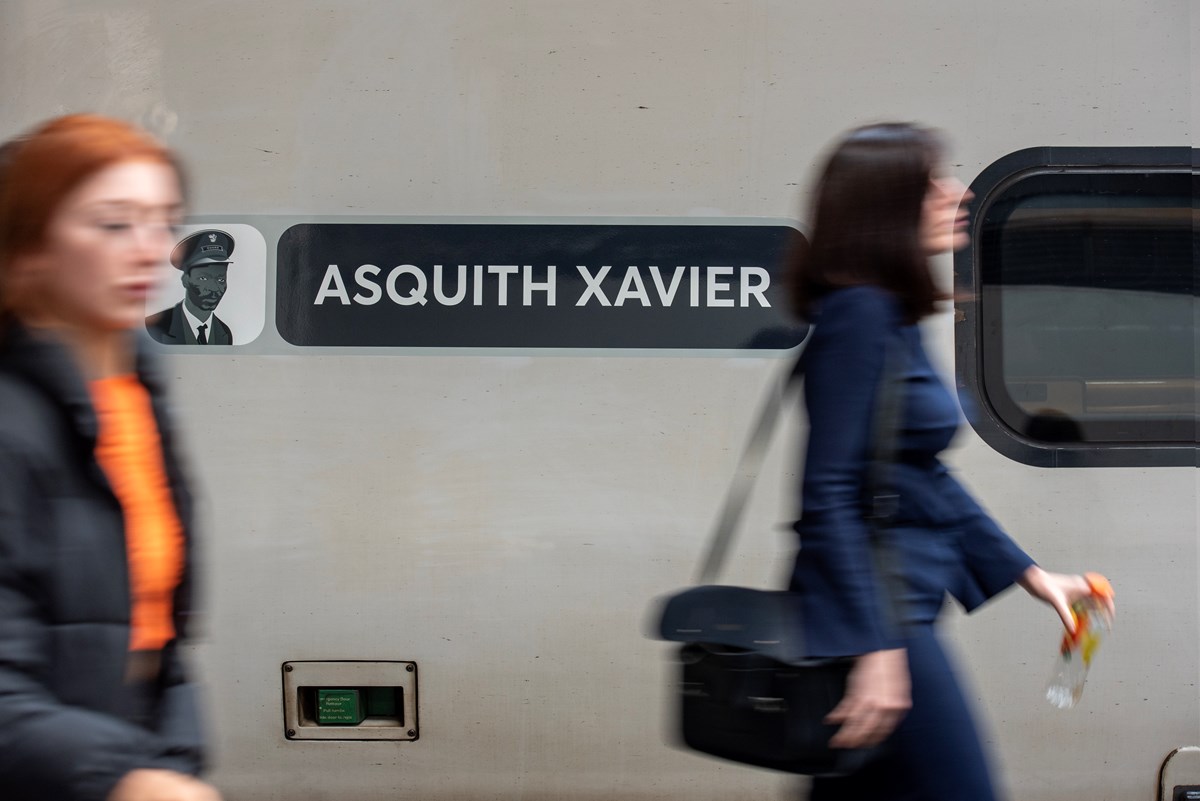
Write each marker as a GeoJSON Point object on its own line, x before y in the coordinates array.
{"type": "Point", "coordinates": [867, 219]}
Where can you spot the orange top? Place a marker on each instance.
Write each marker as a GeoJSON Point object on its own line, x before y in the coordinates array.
{"type": "Point", "coordinates": [130, 453]}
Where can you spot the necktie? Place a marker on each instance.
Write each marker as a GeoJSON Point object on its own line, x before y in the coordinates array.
{"type": "Point", "coordinates": [201, 337]}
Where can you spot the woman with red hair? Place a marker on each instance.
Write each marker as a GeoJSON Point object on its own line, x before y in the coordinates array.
{"type": "Point", "coordinates": [94, 514]}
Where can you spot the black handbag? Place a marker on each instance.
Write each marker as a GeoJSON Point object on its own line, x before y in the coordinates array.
{"type": "Point", "coordinates": [748, 692]}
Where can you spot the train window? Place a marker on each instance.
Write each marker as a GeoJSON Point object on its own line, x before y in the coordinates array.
{"type": "Point", "coordinates": [1078, 321]}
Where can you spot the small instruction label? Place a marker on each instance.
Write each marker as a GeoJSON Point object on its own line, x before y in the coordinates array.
{"type": "Point", "coordinates": [339, 707]}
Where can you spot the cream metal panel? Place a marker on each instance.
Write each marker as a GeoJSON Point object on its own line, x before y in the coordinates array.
{"type": "Point", "coordinates": [504, 520]}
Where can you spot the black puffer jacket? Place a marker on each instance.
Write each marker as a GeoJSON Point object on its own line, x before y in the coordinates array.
{"type": "Point", "coordinates": [65, 730]}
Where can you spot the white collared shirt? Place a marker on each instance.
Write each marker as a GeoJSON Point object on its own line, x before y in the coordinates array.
{"type": "Point", "coordinates": [195, 324]}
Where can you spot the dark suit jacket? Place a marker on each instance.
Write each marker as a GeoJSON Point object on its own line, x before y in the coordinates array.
{"type": "Point", "coordinates": [170, 327]}
{"type": "Point", "coordinates": [943, 540]}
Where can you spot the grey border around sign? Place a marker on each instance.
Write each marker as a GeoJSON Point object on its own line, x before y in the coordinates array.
{"type": "Point", "coordinates": [272, 227]}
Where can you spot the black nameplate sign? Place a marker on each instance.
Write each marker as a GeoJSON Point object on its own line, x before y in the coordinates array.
{"type": "Point", "coordinates": [535, 286]}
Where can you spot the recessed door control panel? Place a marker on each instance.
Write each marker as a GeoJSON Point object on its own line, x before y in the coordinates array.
{"type": "Point", "coordinates": [350, 700]}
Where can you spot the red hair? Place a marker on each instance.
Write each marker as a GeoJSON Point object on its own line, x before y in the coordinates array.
{"type": "Point", "coordinates": [41, 168]}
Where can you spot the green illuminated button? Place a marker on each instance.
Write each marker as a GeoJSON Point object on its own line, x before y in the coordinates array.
{"type": "Point", "coordinates": [339, 708]}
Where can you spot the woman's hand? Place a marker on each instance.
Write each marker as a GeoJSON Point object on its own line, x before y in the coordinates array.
{"type": "Point", "coordinates": [1061, 591]}
{"type": "Point", "coordinates": [878, 695]}
{"type": "Point", "coordinates": [161, 785]}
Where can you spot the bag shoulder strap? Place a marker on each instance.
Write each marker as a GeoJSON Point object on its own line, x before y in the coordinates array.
{"type": "Point", "coordinates": [747, 472]}
{"type": "Point", "coordinates": [881, 497]}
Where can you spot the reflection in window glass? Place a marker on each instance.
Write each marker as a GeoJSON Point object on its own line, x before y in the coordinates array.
{"type": "Point", "coordinates": [1089, 306]}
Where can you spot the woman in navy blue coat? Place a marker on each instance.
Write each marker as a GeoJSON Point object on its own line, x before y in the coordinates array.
{"type": "Point", "coordinates": [883, 207]}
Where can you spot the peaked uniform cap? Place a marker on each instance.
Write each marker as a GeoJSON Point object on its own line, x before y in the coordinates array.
{"type": "Point", "coordinates": [203, 247]}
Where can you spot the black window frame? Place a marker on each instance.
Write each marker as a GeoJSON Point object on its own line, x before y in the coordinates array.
{"type": "Point", "coordinates": [972, 342]}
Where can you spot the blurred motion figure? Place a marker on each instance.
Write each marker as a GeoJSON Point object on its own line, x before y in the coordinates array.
{"type": "Point", "coordinates": [883, 206]}
{"type": "Point", "coordinates": [95, 536]}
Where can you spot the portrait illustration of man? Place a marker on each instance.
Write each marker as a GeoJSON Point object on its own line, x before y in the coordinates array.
{"type": "Point", "coordinates": [203, 259]}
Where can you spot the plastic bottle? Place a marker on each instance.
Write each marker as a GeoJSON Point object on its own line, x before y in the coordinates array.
{"type": "Point", "coordinates": [1077, 650]}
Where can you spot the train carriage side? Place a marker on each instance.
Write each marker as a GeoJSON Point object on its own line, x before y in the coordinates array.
{"type": "Point", "coordinates": [500, 514]}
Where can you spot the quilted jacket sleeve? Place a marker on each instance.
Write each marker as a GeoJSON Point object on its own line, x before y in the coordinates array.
{"type": "Point", "coordinates": [48, 750]}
